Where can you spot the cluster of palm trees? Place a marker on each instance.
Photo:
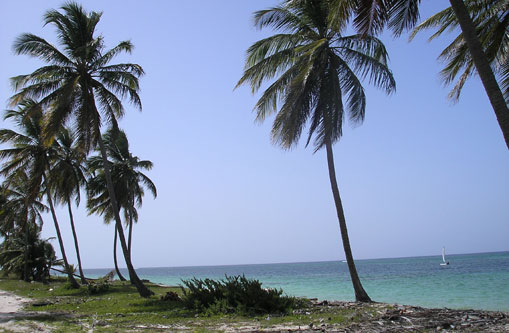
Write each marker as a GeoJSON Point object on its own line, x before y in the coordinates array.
{"type": "Point", "coordinates": [316, 70]}
{"type": "Point", "coordinates": [316, 74]}
{"type": "Point", "coordinates": [60, 110]}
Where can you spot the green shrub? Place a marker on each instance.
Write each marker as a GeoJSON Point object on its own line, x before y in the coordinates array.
{"type": "Point", "coordinates": [98, 287]}
{"type": "Point", "coordinates": [234, 294]}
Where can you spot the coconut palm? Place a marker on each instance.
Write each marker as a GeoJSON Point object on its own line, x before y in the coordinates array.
{"type": "Point", "coordinates": [127, 172]}
{"type": "Point", "coordinates": [98, 202]}
{"type": "Point", "coordinates": [66, 178]}
{"type": "Point", "coordinates": [318, 74]}
{"type": "Point", "coordinates": [31, 155]}
{"type": "Point", "coordinates": [17, 251]}
{"type": "Point", "coordinates": [80, 85]}
{"type": "Point", "coordinates": [371, 16]}
{"type": "Point", "coordinates": [492, 24]}
{"type": "Point", "coordinates": [129, 181]}
{"type": "Point", "coordinates": [21, 208]}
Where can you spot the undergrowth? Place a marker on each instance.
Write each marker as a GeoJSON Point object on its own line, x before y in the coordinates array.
{"type": "Point", "coordinates": [234, 294]}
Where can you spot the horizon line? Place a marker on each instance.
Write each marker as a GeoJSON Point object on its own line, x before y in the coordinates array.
{"type": "Point", "coordinates": [302, 262]}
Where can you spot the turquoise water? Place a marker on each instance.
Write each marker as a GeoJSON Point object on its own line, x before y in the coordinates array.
{"type": "Point", "coordinates": [478, 281]}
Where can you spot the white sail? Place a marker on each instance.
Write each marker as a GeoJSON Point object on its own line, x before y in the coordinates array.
{"type": "Point", "coordinates": [443, 254]}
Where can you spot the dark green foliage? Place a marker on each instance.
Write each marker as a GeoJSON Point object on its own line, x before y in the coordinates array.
{"type": "Point", "coordinates": [98, 287]}
{"type": "Point", "coordinates": [171, 296]}
{"type": "Point", "coordinates": [39, 254]}
{"type": "Point", "coordinates": [234, 294]}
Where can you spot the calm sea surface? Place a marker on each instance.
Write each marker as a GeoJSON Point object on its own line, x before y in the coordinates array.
{"type": "Point", "coordinates": [478, 281]}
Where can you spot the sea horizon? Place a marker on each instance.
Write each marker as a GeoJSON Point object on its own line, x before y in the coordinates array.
{"type": "Point", "coordinates": [297, 262]}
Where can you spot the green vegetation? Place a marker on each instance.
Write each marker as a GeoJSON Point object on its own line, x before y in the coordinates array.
{"type": "Point", "coordinates": [120, 309]}
{"type": "Point", "coordinates": [78, 84]}
{"type": "Point", "coordinates": [37, 253]}
{"type": "Point", "coordinates": [234, 294]}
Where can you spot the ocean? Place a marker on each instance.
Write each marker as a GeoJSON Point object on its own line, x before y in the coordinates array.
{"type": "Point", "coordinates": [471, 281]}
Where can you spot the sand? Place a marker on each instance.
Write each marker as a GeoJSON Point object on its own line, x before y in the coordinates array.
{"type": "Point", "coordinates": [10, 303]}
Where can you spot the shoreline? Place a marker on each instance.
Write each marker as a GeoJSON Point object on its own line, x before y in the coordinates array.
{"type": "Point", "coordinates": [318, 316]}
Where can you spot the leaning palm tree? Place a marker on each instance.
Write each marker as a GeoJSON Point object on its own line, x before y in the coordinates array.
{"type": "Point", "coordinates": [80, 85]}
{"type": "Point", "coordinates": [129, 182]}
{"type": "Point", "coordinates": [67, 178]}
{"type": "Point", "coordinates": [31, 155]}
{"type": "Point", "coordinates": [128, 173]}
{"type": "Point", "coordinates": [371, 16]}
{"type": "Point", "coordinates": [98, 201]}
{"type": "Point", "coordinates": [317, 73]}
{"type": "Point", "coordinates": [492, 26]}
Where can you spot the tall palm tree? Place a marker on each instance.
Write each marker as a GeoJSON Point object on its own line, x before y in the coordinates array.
{"type": "Point", "coordinates": [315, 68]}
{"type": "Point", "coordinates": [79, 84]}
{"type": "Point", "coordinates": [128, 173]}
{"type": "Point", "coordinates": [98, 201]}
{"type": "Point", "coordinates": [371, 16]}
{"type": "Point", "coordinates": [31, 155]}
{"type": "Point", "coordinates": [66, 179]}
{"type": "Point", "coordinates": [21, 208]}
{"type": "Point", "coordinates": [492, 24]}
{"type": "Point", "coordinates": [129, 180]}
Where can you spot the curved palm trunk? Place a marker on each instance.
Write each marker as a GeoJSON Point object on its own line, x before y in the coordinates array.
{"type": "Point", "coordinates": [71, 218]}
{"type": "Point", "coordinates": [360, 293]}
{"type": "Point", "coordinates": [120, 276]}
{"type": "Point", "coordinates": [72, 280]}
{"type": "Point", "coordinates": [483, 67]}
{"type": "Point", "coordinates": [142, 289]}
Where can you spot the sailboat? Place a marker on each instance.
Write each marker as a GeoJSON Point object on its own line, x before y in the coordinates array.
{"type": "Point", "coordinates": [443, 263]}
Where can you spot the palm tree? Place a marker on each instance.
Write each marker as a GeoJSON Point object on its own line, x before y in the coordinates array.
{"type": "Point", "coordinates": [129, 182]}
{"type": "Point", "coordinates": [30, 153]}
{"type": "Point", "coordinates": [21, 208]}
{"type": "Point", "coordinates": [18, 252]}
{"type": "Point", "coordinates": [371, 16]}
{"type": "Point", "coordinates": [98, 202]}
{"type": "Point", "coordinates": [127, 170]}
{"type": "Point", "coordinates": [315, 67]}
{"type": "Point", "coordinates": [492, 23]}
{"type": "Point", "coordinates": [78, 84]}
{"type": "Point", "coordinates": [67, 177]}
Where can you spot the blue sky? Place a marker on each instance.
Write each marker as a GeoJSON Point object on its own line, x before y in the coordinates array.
{"type": "Point", "coordinates": [419, 174]}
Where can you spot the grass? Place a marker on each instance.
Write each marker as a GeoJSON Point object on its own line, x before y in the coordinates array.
{"type": "Point", "coordinates": [121, 309]}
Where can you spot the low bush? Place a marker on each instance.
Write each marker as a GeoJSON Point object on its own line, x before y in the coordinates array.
{"type": "Point", "coordinates": [98, 287]}
{"type": "Point", "coordinates": [234, 294]}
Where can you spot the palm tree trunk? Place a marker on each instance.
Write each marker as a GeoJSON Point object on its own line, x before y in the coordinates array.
{"type": "Point", "coordinates": [130, 224]}
{"type": "Point", "coordinates": [26, 277]}
{"type": "Point", "coordinates": [130, 233]}
{"type": "Point", "coordinates": [71, 218]}
{"type": "Point", "coordinates": [120, 276]}
{"type": "Point", "coordinates": [483, 67]}
{"type": "Point", "coordinates": [360, 293]}
{"type": "Point", "coordinates": [142, 289]}
{"type": "Point", "coordinates": [72, 280]}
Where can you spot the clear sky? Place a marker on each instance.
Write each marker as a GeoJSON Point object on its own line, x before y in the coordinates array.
{"type": "Point", "coordinates": [419, 174]}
